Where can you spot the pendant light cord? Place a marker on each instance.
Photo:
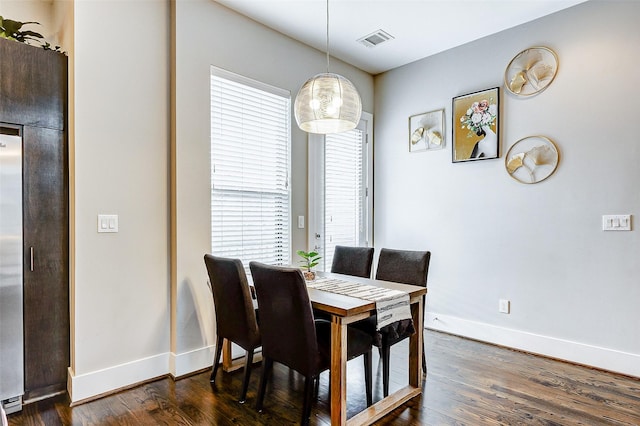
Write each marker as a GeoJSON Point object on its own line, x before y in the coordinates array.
{"type": "Point", "coordinates": [327, 36]}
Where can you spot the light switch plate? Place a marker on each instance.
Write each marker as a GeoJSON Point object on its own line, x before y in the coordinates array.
{"type": "Point", "coordinates": [107, 223]}
{"type": "Point", "coordinates": [616, 222]}
{"type": "Point", "coordinates": [504, 306]}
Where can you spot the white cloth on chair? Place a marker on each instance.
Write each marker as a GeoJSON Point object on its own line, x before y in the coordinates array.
{"type": "Point", "coordinates": [3, 416]}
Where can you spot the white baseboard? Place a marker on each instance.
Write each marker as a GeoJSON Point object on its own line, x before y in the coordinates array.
{"type": "Point", "coordinates": [188, 362]}
{"type": "Point", "coordinates": [96, 383]}
{"type": "Point", "coordinates": [580, 353]}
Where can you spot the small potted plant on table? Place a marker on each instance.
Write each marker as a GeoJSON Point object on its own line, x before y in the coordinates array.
{"type": "Point", "coordinates": [310, 259]}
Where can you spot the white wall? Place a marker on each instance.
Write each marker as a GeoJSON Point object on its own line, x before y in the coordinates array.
{"type": "Point", "coordinates": [120, 165]}
{"type": "Point", "coordinates": [133, 316]}
{"type": "Point", "coordinates": [209, 34]}
{"type": "Point", "coordinates": [31, 11]}
{"type": "Point", "coordinates": [573, 288]}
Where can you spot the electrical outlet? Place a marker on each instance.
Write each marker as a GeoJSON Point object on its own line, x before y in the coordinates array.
{"type": "Point", "coordinates": [504, 306]}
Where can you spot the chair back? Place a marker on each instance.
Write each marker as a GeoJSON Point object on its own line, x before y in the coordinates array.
{"type": "Point", "coordinates": [355, 261]}
{"type": "Point", "coordinates": [235, 314]}
{"type": "Point", "coordinates": [286, 318]}
{"type": "Point", "coordinates": [403, 266]}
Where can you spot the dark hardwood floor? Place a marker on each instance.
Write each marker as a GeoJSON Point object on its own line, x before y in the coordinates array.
{"type": "Point", "coordinates": [468, 383]}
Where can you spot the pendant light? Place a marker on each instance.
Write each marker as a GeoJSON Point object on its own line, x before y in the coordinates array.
{"type": "Point", "coordinates": [327, 102]}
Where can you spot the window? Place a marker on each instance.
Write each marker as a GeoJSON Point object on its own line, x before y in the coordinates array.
{"type": "Point", "coordinates": [250, 145]}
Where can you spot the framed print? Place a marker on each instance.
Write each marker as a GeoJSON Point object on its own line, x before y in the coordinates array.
{"type": "Point", "coordinates": [426, 131]}
{"type": "Point", "coordinates": [475, 126]}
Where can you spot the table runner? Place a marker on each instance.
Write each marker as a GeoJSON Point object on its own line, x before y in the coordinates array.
{"type": "Point", "coordinates": [391, 305]}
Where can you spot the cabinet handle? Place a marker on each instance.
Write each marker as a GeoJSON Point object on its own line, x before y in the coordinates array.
{"type": "Point", "coordinates": [31, 255]}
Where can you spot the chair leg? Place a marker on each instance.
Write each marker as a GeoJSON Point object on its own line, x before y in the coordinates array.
{"type": "Point", "coordinates": [216, 359]}
{"type": "Point", "coordinates": [424, 363]}
{"type": "Point", "coordinates": [267, 364]}
{"type": "Point", "coordinates": [306, 405]}
{"type": "Point", "coordinates": [247, 373]}
{"type": "Point", "coordinates": [316, 387]}
{"type": "Point", "coordinates": [424, 357]}
{"type": "Point", "coordinates": [368, 368]}
{"type": "Point", "coordinates": [386, 351]}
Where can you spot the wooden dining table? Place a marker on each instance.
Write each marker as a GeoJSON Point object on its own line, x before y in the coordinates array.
{"type": "Point", "coordinates": [345, 310]}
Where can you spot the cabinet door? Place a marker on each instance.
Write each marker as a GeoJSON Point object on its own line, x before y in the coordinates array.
{"type": "Point", "coordinates": [46, 273]}
{"type": "Point", "coordinates": [33, 85]}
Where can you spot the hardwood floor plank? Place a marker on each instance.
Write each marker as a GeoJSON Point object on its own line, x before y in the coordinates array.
{"type": "Point", "coordinates": [155, 403]}
{"type": "Point", "coordinates": [468, 383]}
{"type": "Point", "coordinates": [546, 386]}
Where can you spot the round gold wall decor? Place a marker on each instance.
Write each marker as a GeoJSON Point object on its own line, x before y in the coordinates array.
{"type": "Point", "coordinates": [532, 159]}
{"type": "Point", "coordinates": [531, 71]}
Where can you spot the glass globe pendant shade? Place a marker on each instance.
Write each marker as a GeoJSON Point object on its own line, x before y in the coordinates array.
{"type": "Point", "coordinates": [327, 103]}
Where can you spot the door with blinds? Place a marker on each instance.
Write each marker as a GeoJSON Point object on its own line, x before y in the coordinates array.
{"type": "Point", "coordinates": [340, 177]}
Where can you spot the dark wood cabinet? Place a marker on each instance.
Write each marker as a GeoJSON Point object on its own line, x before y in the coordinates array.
{"type": "Point", "coordinates": [33, 94]}
{"type": "Point", "coordinates": [31, 83]}
{"type": "Point", "coordinates": [46, 272]}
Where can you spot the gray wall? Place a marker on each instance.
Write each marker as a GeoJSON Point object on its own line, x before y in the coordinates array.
{"type": "Point", "coordinates": [573, 288]}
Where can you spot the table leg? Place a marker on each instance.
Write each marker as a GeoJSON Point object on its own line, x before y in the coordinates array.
{"type": "Point", "coordinates": [416, 345]}
{"type": "Point", "coordinates": [229, 364]}
{"type": "Point", "coordinates": [399, 397]}
{"type": "Point", "coordinates": [227, 360]}
{"type": "Point", "coordinates": [338, 372]}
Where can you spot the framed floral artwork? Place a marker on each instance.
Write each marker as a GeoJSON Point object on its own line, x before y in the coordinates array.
{"type": "Point", "coordinates": [426, 131]}
{"type": "Point", "coordinates": [476, 126]}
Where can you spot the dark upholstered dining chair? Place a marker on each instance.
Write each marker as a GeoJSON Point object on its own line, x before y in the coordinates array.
{"type": "Point", "coordinates": [400, 266]}
{"type": "Point", "coordinates": [291, 336]}
{"type": "Point", "coordinates": [235, 312]}
{"type": "Point", "coordinates": [355, 261]}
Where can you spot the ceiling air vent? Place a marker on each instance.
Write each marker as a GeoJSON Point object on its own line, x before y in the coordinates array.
{"type": "Point", "coordinates": [375, 38]}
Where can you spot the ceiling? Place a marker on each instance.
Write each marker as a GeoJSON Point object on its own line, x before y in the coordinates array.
{"type": "Point", "coordinates": [420, 28]}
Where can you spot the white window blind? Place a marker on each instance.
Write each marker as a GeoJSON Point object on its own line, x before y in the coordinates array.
{"type": "Point", "coordinates": [344, 188]}
{"type": "Point", "coordinates": [250, 144]}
